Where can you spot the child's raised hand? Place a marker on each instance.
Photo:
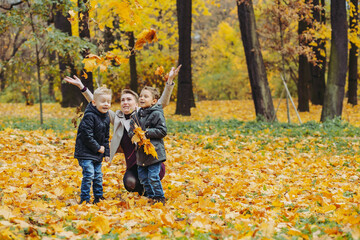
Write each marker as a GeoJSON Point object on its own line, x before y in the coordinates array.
{"type": "Point", "coordinates": [74, 81]}
{"type": "Point", "coordinates": [172, 74]}
{"type": "Point", "coordinates": [102, 149]}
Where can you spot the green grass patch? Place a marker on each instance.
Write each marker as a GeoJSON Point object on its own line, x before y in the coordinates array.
{"type": "Point", "coordinates": [332, 128]}
{"type": "Point", "coordinates": [29, 124]}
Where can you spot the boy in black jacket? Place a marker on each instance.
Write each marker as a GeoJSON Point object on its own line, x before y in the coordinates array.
{"type": "Point", "coordinates": [92, 144]}
{"type": "Point", "coordinates": [151, 119]}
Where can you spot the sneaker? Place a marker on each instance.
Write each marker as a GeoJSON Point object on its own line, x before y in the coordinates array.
{"type": "Point", "coordinates": [83, 200]}
{"type": "Point", "coordinates": [98, 199]}
{"type": "Point", "coordinates": [159, 199]}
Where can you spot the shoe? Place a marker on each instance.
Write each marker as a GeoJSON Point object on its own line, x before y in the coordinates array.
{"type": "Point", "coordinates": [98, 199]}
{"type": "Point", "coordinates": [83, 200]}
{"type": "Point", "coordinates": [159, 199]}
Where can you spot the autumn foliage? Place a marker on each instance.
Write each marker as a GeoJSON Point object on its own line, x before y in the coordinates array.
{"type": "Point", "coordinates": [226, 177]}
{"type": "Point", "coordinates": [140, 139]}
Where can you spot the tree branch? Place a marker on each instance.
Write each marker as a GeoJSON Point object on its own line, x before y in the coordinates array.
{"type": "Point", "coordinates": [11, 5]}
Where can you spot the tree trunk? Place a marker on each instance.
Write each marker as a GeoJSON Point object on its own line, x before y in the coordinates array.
{"type": "Point", "coordinates": [132, 62]}
{"type": "Point", "coordinates": [317, 83]}
{"type": "Point", "coordinates": [109, 39]}
{"type": "Point", "coordinates": [70, 93]}
{"type": "Point", "coordinates": [38, 62]}
{"type": "Point", "coordinates": [185, 95]}
{"type": "Point", "coordinates": [51, 76]}
{"type": "Point", "coordinates": [304, 71]}
{"type": "Point", "coordinates": [334, 92]}
{"type": "Point", "coordinates": [2, 80]}
{"type": "Point", "coordinates": [84, 33]}
{"type": "Point", "coordinates": [353, 58]}
{"type": "Point", "coordinates": [257, 73]}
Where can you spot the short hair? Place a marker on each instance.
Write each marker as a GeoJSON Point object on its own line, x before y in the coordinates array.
{"type": "Point", "coordinates": [131, 92]}
{"type": "Point", "coordinates": [154, 92]}
{"type": "Point", "coordinates": [102, 91]}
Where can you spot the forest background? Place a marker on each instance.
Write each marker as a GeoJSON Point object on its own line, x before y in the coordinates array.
{"type": "Point", "coordinates": [229, 173]}
{"type": "Point", "coordinates": [44, 41]}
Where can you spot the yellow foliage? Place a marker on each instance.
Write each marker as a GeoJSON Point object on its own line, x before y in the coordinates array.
{"type": "Point", "coordinates": [140, 139]}
{"type": "Point", "coordinates": [241, 188]}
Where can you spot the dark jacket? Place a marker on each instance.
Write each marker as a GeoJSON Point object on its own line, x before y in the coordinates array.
{"type": "Point", "coordinates": [152, 121]}
{"type": "Point", "coordinates": [93, 132]}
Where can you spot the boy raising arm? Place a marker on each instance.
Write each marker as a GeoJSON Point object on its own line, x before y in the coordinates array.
{"type": "Point", "coordinates": [150, 118]}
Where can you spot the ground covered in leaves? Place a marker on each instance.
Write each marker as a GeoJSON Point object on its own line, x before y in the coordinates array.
{"type": "Point", "coordinates": [228, 176]}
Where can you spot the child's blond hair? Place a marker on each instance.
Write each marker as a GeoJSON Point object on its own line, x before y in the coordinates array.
{"type": "Point", "coordinates": [102, 91]}
{"type": "Point", "coordinates": [154, 92]}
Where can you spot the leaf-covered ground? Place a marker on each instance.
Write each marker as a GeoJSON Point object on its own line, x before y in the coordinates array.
{"type": "Point", "coordinates": [227, 177]}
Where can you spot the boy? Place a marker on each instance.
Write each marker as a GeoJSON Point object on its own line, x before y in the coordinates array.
{"type": "Point", "coordinates": [150, 117]}
{"type": "Point", "coordinates": [92, 144]}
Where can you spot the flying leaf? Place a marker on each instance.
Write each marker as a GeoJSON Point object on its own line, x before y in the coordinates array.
{"type": "Point", "coordinates": [84, 75]}
{"type": "Point", "coordinates": [90, 64]}
{"type": "Point", "coordinates": [159, 71]}
{"type": "Point", "coordinates": [148, 35]}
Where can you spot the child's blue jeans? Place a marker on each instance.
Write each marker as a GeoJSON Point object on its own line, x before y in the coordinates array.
{"type": "Point", "coordinates": [149, 178]}
{"type": "Point", "coordinates": [91, 171]}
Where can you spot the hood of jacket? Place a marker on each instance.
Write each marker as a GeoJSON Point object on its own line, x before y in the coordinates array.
{"type": "Point", "coordinates": [91, 108]}
{"type": "Point", "coordinates": [146, 111]}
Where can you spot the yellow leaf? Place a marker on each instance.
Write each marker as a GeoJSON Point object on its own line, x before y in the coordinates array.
{"type": "Point", "coordinates": [90, 64]}
{"type": "Point", "coordinates": [167, 218]}
{"type": "Point", "coordinates": [159, 71]}
{"type": "Point", "coordinates": [149, 148]}
{"type": "Point", "coordinates": [120, 60]}
{"type": "Point", "coordinates": [101, 223]}
{"type": "Point", "coordinates": [148, 35]}
{"type": "Point", "coordinates": [93, 56]}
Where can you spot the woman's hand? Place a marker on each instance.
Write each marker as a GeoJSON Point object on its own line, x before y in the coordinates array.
{"type": "Point", "coordinates": [74, 81]}
{"type": "Point", "coordinates": [172, 74]}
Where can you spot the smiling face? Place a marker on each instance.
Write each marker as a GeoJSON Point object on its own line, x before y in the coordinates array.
{"type": "Point", "coordinates": [128, 103]}
{"type": "Point", "coordinates": [102, 102]}
{"type": "Point", "coordinates": [146, 99]}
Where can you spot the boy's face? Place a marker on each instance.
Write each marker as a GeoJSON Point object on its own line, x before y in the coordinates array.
{"type": "Point", "coordinates": [102, 103]}
{"type": "Point", "coordinates": [128, 103]}
{"type": "Point", "coordinates": [146, 99]}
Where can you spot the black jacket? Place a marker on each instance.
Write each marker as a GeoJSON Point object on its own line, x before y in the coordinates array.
{"type": "Point", "coordinates": [93, 132]}
{"type": "Point", "coordinates": [152, 121]}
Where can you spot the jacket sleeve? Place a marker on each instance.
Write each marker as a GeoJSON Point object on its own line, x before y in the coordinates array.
{"type": "Point", "coordinates": [88, 95]}
{"type": "Point", "coordinates": [88, 136]}
{"type": "Point", "coordinates": [165, 96]}
{"type": "Point", "coordinates": [107, 147]}
{"type": "Point", "coordinates": [159, 129]}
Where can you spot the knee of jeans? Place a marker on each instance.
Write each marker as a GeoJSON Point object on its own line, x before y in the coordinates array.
{"type": "Point", "coordinates": [89, 175]}
{"type": "Point", "coordinates": [98, 175]}
{"type": "Point", "coordinates": [154, 178]}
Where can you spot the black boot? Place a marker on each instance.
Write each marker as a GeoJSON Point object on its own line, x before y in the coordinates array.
{"type": "Point", "coordinates": [98, 199]}
{"type": "Point", "coordinates": [159, 199]}
{"type": "Point", "coordinates": [83, 200]}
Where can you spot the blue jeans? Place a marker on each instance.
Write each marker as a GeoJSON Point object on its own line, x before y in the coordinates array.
{"type": "Point", "coordinates": [91, 171]}
{"type": "Point", "coordinates": [149, 178]}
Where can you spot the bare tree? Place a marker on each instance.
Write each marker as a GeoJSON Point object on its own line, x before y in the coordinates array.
{"type": "Point", "coordinates": [261, 93]}
{"type": "Point", "coordinates": [334, 93]}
